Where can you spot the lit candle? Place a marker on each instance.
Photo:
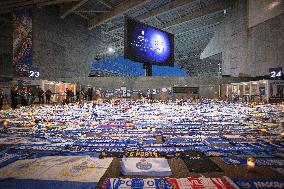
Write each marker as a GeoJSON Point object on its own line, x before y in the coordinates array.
{"type": "Point", "coordinates": [263, 130]}
{"type": "Point", "coordinates": [5, 122]}
{"type": "Point", "coordinates": [250, 163]}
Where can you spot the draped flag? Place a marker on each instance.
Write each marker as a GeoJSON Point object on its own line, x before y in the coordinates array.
{"type": "Point", "coordinates": [201, 182]}
{"type": "Point", "coordinates": [145, 166]}
{"type": "Point", "coordinates": [271, 162]}
{"type": "Point", "coordinates": [137, 183]}
{"type": "Point", "coordinates": [259, 183]}
{"type": "Point", "coordinates": [55, 170]}
{"type": "Point", "coordinates": [22, 41]}
{"type": "Point", "coordinates": [167, 183]}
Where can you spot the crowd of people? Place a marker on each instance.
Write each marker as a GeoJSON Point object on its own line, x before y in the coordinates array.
{"type": "Point", "coordinates": [80, 95]}
{"type": "Point", "coordinates": [26, 96]}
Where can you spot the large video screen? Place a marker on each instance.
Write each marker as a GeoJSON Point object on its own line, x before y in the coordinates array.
{"type": "Point", "coordinates": [147, 44]}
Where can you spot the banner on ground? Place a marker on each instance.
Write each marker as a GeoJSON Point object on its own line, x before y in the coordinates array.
{"type": "Point", "coordinates": [143, 154]}
{"type": "Point", "coordinates": [272, 162]}
{"type": "Point", "coordinates": [201, 182]}
{"type": "Point", "coordinates": [201, 165]}
{"type": "Point", "coordinates": [7, 158]}
{"type": "Point", "coordinates": [61, 168]}
{"type": "Point", "coordinates": [167, 183]}
{"type": "Point", "coordinates": [145, 166]}
{"type": "Point", "coordinates": [128, 183]}
{"type": "Point", "coordinates": [259, 183]}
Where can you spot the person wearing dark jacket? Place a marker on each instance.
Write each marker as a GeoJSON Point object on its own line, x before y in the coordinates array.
{"type": "Point", "coordinates": [14, 96]}
{"type": "Point", "coordinates": [78, 93]}
{"type": "Point", "coordinates": [69, 95]}
{"type": "Point", "coordinates": [24, 95]}
{"type": "Point", "coordinates": [41, 96]}
{"type": "Point", "coordinates": [30, 96]}
{"type": "Point", "coordinates": [1, 98]}
{"type": "Point", "coordinates": [90, 94]}
{"type": "Point", "coordinates": [48, 94]}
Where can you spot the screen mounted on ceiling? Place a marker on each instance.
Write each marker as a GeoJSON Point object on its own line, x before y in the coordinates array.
{"type": "Point", "coordinates": [147, 44]}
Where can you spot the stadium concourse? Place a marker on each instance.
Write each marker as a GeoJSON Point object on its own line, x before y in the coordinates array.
{"type": "Point", "coordinates": [142, 144]}
{"type": "Point", "coordinates": [141, 94]}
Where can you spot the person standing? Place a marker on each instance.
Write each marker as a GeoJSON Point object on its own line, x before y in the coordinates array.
{"type": "Point", "coordinates": [78, 93]}
{"type": "Point", "coordinates": [24, 96]}
{"type": "Point", "coordinates": [1, 98]}
{"type": "Point", "coordinates": [90, 94]}
{"type": "Point", "coordinates": [71, 95]}
{"type": "Point", "coordinates": [30, 98]}
{"type": "Point", "coordinates": [41, 96]}
{"type": "Point", "coordinates": [48, 94]}
{"type": "Point", "coordinates": [85, 95]}
{"type": "Point", "coordinates": [68, 95]}
{"type": "Point", "coordinates": [14, 96]}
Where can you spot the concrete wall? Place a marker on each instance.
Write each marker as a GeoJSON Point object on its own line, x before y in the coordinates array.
{"type": "Point", "coordinates": [155, 82]}
{"type": "Point", "coordinates": [231, 40]}
{"type": "Point", "coordinates": [6, 39]}
{"type": "Point", "coordinates": [208, 86]}
{"type": "Point", "coordinates": [62, 49]}
{"type": "Point", "coordinates": [266, 46]}
{"type": "Point", "coordinates": [249, 51]}
{"type": "Point", "coordinates": [6, 70]}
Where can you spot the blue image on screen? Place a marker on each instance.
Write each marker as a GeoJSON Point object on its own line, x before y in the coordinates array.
{"type": "Point", "coordinates": [147, 44]}
{"type": "Point", "coordinates": [151, 44]}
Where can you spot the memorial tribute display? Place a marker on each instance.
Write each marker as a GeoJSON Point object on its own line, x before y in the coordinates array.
{"type": "Point", "coordinates": [78, 142]}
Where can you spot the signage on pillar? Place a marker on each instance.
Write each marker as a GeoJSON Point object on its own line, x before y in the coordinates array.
{"type": "Point", "coordinates": [275, 72]}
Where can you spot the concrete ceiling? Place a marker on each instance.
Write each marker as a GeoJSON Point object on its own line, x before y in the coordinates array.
{"type": "Point", "coordinates": [192, 21]}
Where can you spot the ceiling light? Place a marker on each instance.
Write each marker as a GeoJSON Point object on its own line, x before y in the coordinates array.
{"type": "Point", "coordinates": [110, 49]}
{"type": "Point", "coordinates": [273, 4]}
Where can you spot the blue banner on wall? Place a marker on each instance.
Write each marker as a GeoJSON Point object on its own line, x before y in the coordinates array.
{"type": "Point", "coordinates": [22, 41]}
